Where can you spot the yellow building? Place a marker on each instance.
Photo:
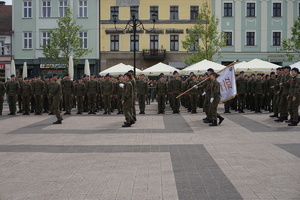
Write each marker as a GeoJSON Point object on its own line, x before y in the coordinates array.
{"type": "Point", "coordinates": [161, 44]}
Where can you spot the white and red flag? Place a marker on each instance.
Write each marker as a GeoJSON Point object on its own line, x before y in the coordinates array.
{"type": "Point", "coordinates": [227, 84]}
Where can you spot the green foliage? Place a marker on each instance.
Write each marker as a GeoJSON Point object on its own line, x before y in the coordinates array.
{"type": "Point", "coordinates": [64, 41]}
{"type": "Point", "coordinates": [292, 44]}
{"type": "Point", "coordinates": [210, 40]}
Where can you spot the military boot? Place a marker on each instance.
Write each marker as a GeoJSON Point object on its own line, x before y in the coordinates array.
{"type": "Point", "coordinates": [57, 122]}
{"type": "Point", "coordinates": [275, 115]}
{"type": "Point", "coordinates": [293, 123]}
{"type": "Point", "coordinates": [214, 123]}
{"type": "Point", "coordinates": [221, 119]}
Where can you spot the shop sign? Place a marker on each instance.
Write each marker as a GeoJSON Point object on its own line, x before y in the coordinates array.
{"type": "Point", "coordinates": [2, 66]}
{"type": "Point", "coordinates": [53, 66]}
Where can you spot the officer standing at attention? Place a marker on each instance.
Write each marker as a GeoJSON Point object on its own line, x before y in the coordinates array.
{"type": "Point", "coordinates": [241, 85]}
{"type": "Point", "coordinates": [38, 91]}
{"type": "Point", "coordinates": [92, 90]}
{"type": "Point", "coordinates": [119, 92]}
{"type": "Point", "coordinates": [2, 92]}
{"type": "Point", "coordinates": [26, 92]}
{"type": "Point", "coordinates": [127, 99]}
{"type": "Point", "coordinates": [142, 89]}
{"type": "Point", "coordinates": [193, 94]}
{"type": "Point", "coordinates": [56, 93]}
{"type": "Point", "coordinates": [161, 92]}
{"type": "Point", "coordinates": [12, 89]}
{"type": "Point", "coordinates": [294, 94]}
{"type": "Point", "coordinates": [79, 95]}
{"type": "Point", "coordinates": [258, 93]}
{"type": "Point", "coordinates": [67, 89]}
{"type": "Point", "coordinates": [45, 96]}
{"type": "Point", "coordinates": [175, 89]}
{"type": "Point", "coordinates": [19, 99]}
{"type": "Point", "coordinates": [106, 93]}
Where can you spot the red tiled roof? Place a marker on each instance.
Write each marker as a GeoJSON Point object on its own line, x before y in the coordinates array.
{"type": "Point", "coordinates": [5, 19]}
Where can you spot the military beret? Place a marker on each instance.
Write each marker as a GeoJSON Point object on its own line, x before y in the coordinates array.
{"type": "Point", "coordinates": [161, 74]}
{"type": "Point", "coordinates": [67, 74]}
{"type": "Point", "coordinates": [236, 75]}
{"type": "Point", "coordinates": [241, 72]}
{"type": "Point", "coordinates": [29, 78]}
{"type": "Point", "coordinates": [20, 76]}
{"type": "Point", "coordinates": [79, 78]}
{"type": "Point", "coordinates": [267, 75]}
{"type": "Point", "coordinates": [120, 75]}
{"type": "Point", "coordinates": [272, 73]}
{"type": "Point", "coordinates": [278, 68]}
{"type": "Point", "coordinates": [126, 74]}
{"type": "Point", "coordinates": [50, 76]}
{"type": "Point", "coordinates": [253, 74]}
{"type": "Point", "coordinates": [205, 74]}
{"type": "Point", "coordinates": [142, 74]}
{"type": "Point", "coordinates": [84, 75]}
{"type": "Point", "coordinates": [130, 71]}
{"type": "Point", "coordinates": [25, 78]}
{"type": "Point", "coordinates": [245, 75]}
{"type": "Point", "coordinates": [54, 75]}
{"type": "Point", "coordinates": [258, 74]}
{"type": "Point", "coordinates": [92, 74]}
{"type": "Point", "coordinates": [175, 72]}
{"type": "Point", "coordinates": [287, 67]}
{"type": "Point", "coordinates": [194, 75]}
{"type": "Point", "coordinates": [107, 75]}
{"type": "Point", "coordinates": [12, 75]}
{"type": "Point", "coordinates": [295, 69]}
{"type": "Point", "coordinates": [210, 70]}
{"type": "Point", "coordinates": [262, 74]}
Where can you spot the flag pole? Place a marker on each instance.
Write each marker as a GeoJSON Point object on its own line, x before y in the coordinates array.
{"type": "Point", "coordinates": [208, 78]}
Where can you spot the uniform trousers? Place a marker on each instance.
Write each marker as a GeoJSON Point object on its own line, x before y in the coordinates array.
{"type": "Point", "coordinates": [50, 98]}
{"type": "Point", "coordinates": [68, 102]}
{"type": "Point", "coordinates": [127, 108]}
{"type": "Point", "coordinates": [161, 100]}
{"type": "Point", "coordinates": [176, 101]}
{"type": "Point", "coordinates": [107, 103]}
{"type": "Point", "coordinates": [283, 106]}
{"type": "Point", "coordinates": [241, 101]}
{"type": "Point", "coordinates": [56, 106]}
{"type": "Point", "coordinates": [20, 102]}
{"type": "Point", "coordinates": [142, 101]}
{"type": "Point", "coordinates": [293, 108]}
{"type": "Point", "coordinates": [193, 100]}
{"type": "Point", "coordinates": [92, 102]}
{"type": "Point", "coordinates": [38, 103]}
{"type": "Point", "coordinates": [258, 101]}
{"type": "Point", "coordinates": [1, 103]}
{"type": "Point", "coordinates": [26, 103]}
{"type": "Point", "coordinates": [119, 103]}
{"type": "Point", "coordinates": [12, 103]}
{"type": "Point", "coordinates": [79, 104]}
{"type": "Point", "coordinates": [45, 103]}
{"type": "Point", "coordinates": [213, 109]}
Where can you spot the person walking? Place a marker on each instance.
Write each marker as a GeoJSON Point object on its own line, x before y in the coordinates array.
{"type": "Point", "coordinates": [127, 99]}
{"type": "Point", "coordinates": [56, 93]}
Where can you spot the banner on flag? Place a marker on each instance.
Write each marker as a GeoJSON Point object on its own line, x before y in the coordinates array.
{"type": "Point", "coordinates": [227, 84]}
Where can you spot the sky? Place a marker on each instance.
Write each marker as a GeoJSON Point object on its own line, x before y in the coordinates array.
{"type": "Point", "coordinates": [8, 2]}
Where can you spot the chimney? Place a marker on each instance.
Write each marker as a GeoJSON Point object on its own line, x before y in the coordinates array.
{"type": "Point", "coordinates": [2, 2]}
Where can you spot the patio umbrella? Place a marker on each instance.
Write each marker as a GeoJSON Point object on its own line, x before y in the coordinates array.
{"type": "Point", "coordinates": [71, 67]}
{"type": "Point", "coordinates": [25, 70]}
{"type": "Point", "coordinates": [12, 67]}
{"type": "Point", "coordinates": [87, 67]}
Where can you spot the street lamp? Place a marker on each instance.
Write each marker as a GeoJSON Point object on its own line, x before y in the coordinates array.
{"type": "Point", "coordinates": [133, 24]}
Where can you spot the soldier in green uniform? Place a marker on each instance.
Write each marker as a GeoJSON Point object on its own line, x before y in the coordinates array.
{"type": "Point", "coordinates": [32, 99]}
{"type": "Point", "coordinates": [119, 92]}
{"type": "Point", "coordinates": [12, 90]}
{"type": "Point", "coordinates": [271, 91]}
{"type": "Point", "coordinates": [107, 93]}
{"type": "Point", "coordinates": [50, 97]}
{"type": "Point", "coordinates": [175, 89]}
{"type": "Point", "coordinates": [207, 90]}
{"type": "Point", "coordinates": [56, 92]}
{"type": "Point", "coordinates": [193, 94]}
{"type": "Point", "coordinates": [127, 99]}
{"type": "Point", "coordinates": [293, 98]}
{"type": "Point", "coordinates": [241, 85]}
{"type": "Point", "coordinates": [133, 83]}
{"type": "Point", "coordinates": [161, 92]}
{"type": "Point", "coordinates": [142, 88]}
{"type": "Point", "coordinates": [26, 92]}
{"type": "Point", "coordinates": [2, 92]}
{"type": "Point", "coordinates": [283, 103]}
{"type": "Point", "coordinates": [38, 91]}
{"type": "Point", "coordinates": [92, 91]}
{"type": "Point", "coordinates": [67, 91]}
{"type": "Point", "coordinates": [20, 104]}
{"type": "Point", "coordinates": [86, 98]}
{"type": "Point", "coordinates": [276, 88]}
{"type": "Point", "coordinates": [79, 92]}
{"type": "Point", "coordinates": [45, 96]}
{"type": "Point", "coordinates": [258, 93]}
{"type": "Point", "coordinates": [214, 99]}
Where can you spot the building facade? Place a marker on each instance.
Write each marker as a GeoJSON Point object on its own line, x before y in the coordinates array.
{"type": "Point", "coordinates": [32, 20]}
{"type": "Point", "coordinates": [5, 39]}
{"type": "Point", "coordinates": [159, 44]}
{"type": "Point", "coordinates": [256, 28]}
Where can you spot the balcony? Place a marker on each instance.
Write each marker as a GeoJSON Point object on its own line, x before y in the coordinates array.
{"type": "Point", "coordinates": [154, 54]}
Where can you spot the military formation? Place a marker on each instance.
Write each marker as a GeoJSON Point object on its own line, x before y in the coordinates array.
{"type": "Point", "coordinates": [277, 92]}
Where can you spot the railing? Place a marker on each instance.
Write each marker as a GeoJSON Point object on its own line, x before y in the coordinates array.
{"type": "Point", "coordinates": [154, 54]}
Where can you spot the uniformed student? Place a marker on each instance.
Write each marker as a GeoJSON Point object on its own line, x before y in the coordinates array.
{"type": "Point", "coordinates": [241, 85]}
{"type": "Point", "coordinates": [26, 92]}
{"type": "Point", "coordinates": [38, 91]}
{"type": "Point", "coordinates": [175, 89]}
{"type": "Point", "coordinates": [12, 90]}
{"type": "Point", "coordinates": [293, 98]}
{"type": "Point", "coordinates": [194, 93]}
{"type": "Point", "coordinates": [67, 90]}
{"type": "Point", "coordinates": [142, 88]}
{"type": "Point", "coordinates": [119, 93]}
{"type": "Point", "coordinates": [133, 82]}
{"type": "Point", "coordinates": [20, 104]}
{"type": "Point", "coordinates": [2, 92]}
{"type": "Point", "coordinates": [127, 99]}
{"type": "Point", "coordinates": [56, 92]}
{"type": "Point", "coordinates": [258, 93]}
{"type": "Point", "coordinates": [107, 93]}
{"type": "Point", "coordinates": [161, 92]}
{"type": "Point", "coordinates": [92, 90]}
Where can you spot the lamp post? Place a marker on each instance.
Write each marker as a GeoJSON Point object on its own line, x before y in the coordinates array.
{"type": "Point", "coordinates": [133, 24]}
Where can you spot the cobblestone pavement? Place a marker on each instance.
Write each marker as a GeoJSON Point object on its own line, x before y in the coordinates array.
{"type": "Point", "coordinates": [161, 157]}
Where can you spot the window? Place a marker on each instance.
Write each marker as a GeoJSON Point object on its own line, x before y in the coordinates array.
{"type": "Point", "coordinates": [114, 43]}
{"type": "Point", "coordinates": [194, 45]}
{"type": "Point", "coordinates": [27, 9]}
{"type": "Point", "coordinates": [27, 40]}
{"type": "Point", "coordinates": [134, 10]}
{"type": "Point", "coordinates": [194, 12]}
{"type": "Point", "coordinates": [153, 9]}
{"type": "Point", "coordinates": [276, 38]}
{"type": "Point", "coordinates": [299, 10]}
{"type": "Point", "coordinates": [83, 8]}
{"type": "Point", "coordinates": [46, 9]}
{"type": "Point", "coordinates": [174, 44]}
{"type": "Point", "coordinates": [174, 13]}
{"type": "Point", "coordinates": [250, 37]}
{"type": "Point", "coordinates": [276, 9]}
{"type": "Point", "coordinates": [250, 9]}
{"type": "Point", "coordinates": [153, 41]}
{"type": "Point", "coordinates": [84, 39]}
{"type": "Point", "coordinates": [2, 52]}
{"type": "Point", "coordinates": [227, 9]}
{"type": "Point", "coordinates": [45, 38]}
{"type": "Point", "coordinates": [132, 43]}
{"type": "Point", "coordinates": [229, 38]}
{"type": "Point", "coordinates": [114, 10]}
{"type": "Point", "coordinates": [63, 5]}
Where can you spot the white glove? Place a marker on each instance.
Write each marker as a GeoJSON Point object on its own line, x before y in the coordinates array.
{"type": "Point", "coordinates": [204, 93]}
{"type": "Point", "coordinates": [195, 86]}
{"type": "Point", "coordinates": [121, 85]}
{"type": "Point", "coordinates": [211, 100]}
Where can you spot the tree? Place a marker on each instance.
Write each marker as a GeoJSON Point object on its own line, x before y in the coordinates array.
{"type": "Point", "coordinates": [64, 41]}
{"type": "Point", "coordinates": [205, 37]}
{"type": "Point", "coordinates": [292, 44]}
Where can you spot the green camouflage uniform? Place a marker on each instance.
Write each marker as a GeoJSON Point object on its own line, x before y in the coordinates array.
{"type": "Point", "coordinates": [107, 92]}
{"type": "Point", "coordinates": [92, 91]}
{"type": "Point", "coordinates": [12, 89]}
{"type": "Point", "coordinates": [79, 91]}
{"type": "Point", "coordinates": [142, 88]}
{"type": "Point", "coordinates": [67, 91]}
{"type": "Point", "coordinates": [56, 92]}
{"type": "Point", "coordinates": [38, 91]}
{"type": "Point", "coordinates": [294, 91]}
{"type": "Point", "coordinates": [26, 92]}
{"type": "Point", "coordinates": [194, 93]}
{"type": "Point", "coordinates": [161, 92]}
{"type": "Point", "coordinates": [175, 87]}
{"type": "Point", "coordinates": [127, 97]}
